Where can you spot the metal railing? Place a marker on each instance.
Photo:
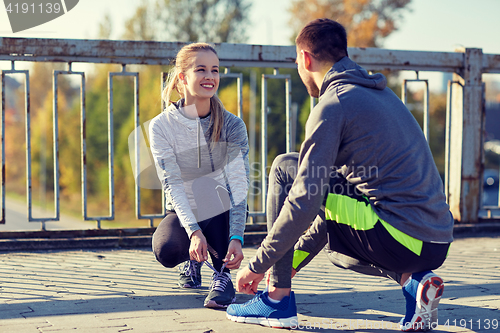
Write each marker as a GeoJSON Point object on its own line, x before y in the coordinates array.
{"type": "Point", "coordinates": [464, 115]}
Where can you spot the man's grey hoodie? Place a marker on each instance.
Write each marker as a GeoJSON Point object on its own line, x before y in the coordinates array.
{"type": "Point", "coordinates": [183, 152]}
{"type": "Point", "coordinates": [362, 131]}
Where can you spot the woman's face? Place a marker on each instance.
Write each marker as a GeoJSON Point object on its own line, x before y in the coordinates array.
{"type": "Point", "coordinates": [201, 80]}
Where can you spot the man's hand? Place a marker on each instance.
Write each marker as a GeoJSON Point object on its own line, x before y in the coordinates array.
{"type": "Point", "coordinates": [247, 281]}
{"type": "Point", "coordinates": [234, 250]}
{"type": "Point", "coordinates": [198, 247]}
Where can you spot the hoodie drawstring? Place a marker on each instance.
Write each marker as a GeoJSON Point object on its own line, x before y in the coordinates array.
{"type": "Point", "coordinates": [198, 141]}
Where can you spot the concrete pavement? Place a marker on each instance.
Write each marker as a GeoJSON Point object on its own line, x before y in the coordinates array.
{"type": "Point", "coordinates": [16, 218]}
{"type": "Point", "coordinates": [127, 290]}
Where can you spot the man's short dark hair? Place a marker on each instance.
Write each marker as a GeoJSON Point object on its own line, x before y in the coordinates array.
{"type": "Point", "coordinates": [326, 39]}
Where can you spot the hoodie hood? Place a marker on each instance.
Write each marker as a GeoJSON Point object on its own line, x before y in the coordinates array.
{"type": "Point", "coordinates": [179, 114]}
{"type": "Point", "coordinates": [346, 71]}
{"type": "Point", "coordinates": [200, 126]}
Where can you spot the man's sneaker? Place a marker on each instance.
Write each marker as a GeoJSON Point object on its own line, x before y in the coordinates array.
{"type": "Point", "coordinates": [221, 292]}
{"type": "Point", "coordinates": [190, 274]}
{"type": "Point", "coordinates": [259, 310]}
{"type": "Point", "coordinates": [423, 293]}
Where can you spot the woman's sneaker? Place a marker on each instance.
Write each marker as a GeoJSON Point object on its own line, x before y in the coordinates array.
{"type": "Point", "coordinates": [259, 310]}
{"type": "Point", "coordinates": [221, 292]}
{"type": "Point", "coordinates": [423, 293]}
{"type": "Point", "coordinates": [190, 274]}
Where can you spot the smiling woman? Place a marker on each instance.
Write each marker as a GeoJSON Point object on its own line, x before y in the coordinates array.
{"type": "Point", "coordinates": [196, 62]}
{"type": "Point", "coordinates": [201, 156]}
{"type": "Point", "coordinates": [200, 81]}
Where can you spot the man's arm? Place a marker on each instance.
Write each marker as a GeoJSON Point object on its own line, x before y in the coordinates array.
{"type": "Point", "coordinates": [316, 160]}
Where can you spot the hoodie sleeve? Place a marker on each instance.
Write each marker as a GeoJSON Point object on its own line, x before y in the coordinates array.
{"type": "Point", "coordinates": [237, 172]}
{"type": "Point", "coordinates": [316, 159]}
{"type": "Point", "coordinates": [169, 173]}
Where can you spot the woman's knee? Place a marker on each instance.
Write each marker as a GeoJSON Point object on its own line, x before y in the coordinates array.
{"type": "Point", "coordinates": [169, 253]}
{"type": "Point", "coordinates": [168, 257]}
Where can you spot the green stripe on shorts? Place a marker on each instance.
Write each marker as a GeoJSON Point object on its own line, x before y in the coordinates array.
{"type": "Point", "coordinates": [360, 216]}
{"type": "Point", "coordinates": [298, 257]}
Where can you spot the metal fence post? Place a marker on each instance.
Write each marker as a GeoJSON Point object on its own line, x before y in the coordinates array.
{"type": "Point", "coordinates": [466, 146]}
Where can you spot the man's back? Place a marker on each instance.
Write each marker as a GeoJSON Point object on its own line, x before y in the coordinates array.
{"type": "Point", "coordinates": [382, 150]}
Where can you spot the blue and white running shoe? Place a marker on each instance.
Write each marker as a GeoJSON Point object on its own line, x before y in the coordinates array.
{"type": "Point", "coordinates": [423, 293]}
{"type": "Point", "coordinates": [259, 310]}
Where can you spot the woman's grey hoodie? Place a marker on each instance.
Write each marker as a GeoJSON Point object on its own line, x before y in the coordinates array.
{"type": "Point", "coordinates": [183, 152]}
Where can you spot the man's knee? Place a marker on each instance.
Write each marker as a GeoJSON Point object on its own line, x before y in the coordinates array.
{"type": "Point", "coordinates": [287, 159]}
{"type": "Point", "coordinates": [285, 166]}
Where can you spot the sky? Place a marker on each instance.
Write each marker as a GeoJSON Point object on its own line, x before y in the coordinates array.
{"type": "Point", "coordinates": [431, 25]}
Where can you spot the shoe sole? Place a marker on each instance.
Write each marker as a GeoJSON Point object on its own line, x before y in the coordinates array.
{"type": "Point", "coordinates": [214, 305]}
{"type": "Point", "coordinates": [290, 322]}
{"type": "Point", "coordinates": [428, 296]}
{"type": "Point", "coordinates": [188, 286]}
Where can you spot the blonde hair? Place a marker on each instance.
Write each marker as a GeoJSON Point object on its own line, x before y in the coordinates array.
{"type": "Point", "coordinates": [183, 61]}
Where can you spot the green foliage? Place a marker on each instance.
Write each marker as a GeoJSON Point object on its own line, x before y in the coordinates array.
{"type": "Point", "coordinates": [276, 102]}
{"type": "Point", "coordinates": [367, 22]}
{"type": "Point", "coordinates": [437, 121]}
{"type": "Point", "coordinates": [214, 21]}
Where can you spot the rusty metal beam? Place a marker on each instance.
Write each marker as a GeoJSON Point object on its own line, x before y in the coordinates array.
{"type": "Point", "coordinates": [380, 59]}
{"type": "Point", "coordinates": [241, 55]}
{"type": "Point", "coordinates": [466, 145]}
{"type": "Point", "coordinates": [491, 63]}
{"type": "Point", "coordinates": [135, 52]}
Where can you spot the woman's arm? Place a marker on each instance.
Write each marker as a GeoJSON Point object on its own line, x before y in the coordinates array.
{"type": "Point", "coordinates": [169, 173]}
{"type": "Point", "coordinates": [237, 173]}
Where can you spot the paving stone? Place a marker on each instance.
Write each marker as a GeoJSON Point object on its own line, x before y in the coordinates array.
{"type": "Point", "coordinates": [127, 290]}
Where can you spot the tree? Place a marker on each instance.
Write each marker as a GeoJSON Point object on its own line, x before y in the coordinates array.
{"type": "Point", "coordinates": [214, 21]}
{"type": "Point", "coordinates": [185, 21]}
{"type": "Point", "coordinates": [367, 22]}
{"type": "Point", "coordinates": [105, 28]}
{"type": "Point", "coordinates": [141, 25]}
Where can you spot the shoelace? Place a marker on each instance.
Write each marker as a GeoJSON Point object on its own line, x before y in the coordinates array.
{"type": "Point", "coordinates": [189, 269]}
{"type": "Point", "coordinates": [219, 279]}
{"type": "Point", "coordinates": [256, 298]}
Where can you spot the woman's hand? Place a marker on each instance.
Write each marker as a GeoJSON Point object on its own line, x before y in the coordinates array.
{"type": "Point", "coordinates": [235, 251]}
{"type": "Point", "coordinates": [198, 247]}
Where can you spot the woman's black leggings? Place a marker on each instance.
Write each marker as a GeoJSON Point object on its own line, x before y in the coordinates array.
{"type": "Point", "coordinates": [171, 242]}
